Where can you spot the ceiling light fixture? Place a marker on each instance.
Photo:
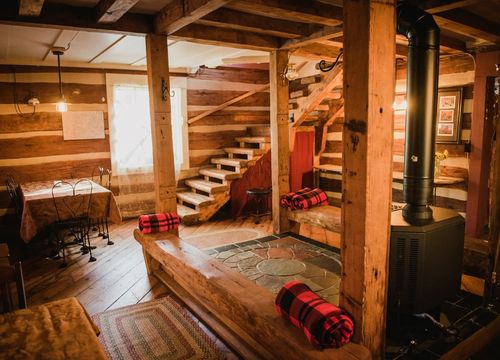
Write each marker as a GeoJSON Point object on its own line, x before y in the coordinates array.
{"type": "Point", "coordinates": [61, 105]}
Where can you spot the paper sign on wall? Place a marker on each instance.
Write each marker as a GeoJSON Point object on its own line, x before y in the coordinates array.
{"type": "Point", "coordinates": [78, 125]}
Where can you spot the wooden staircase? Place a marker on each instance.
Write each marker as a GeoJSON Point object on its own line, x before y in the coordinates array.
{"type": "Point", "coordinates": [205, 195]}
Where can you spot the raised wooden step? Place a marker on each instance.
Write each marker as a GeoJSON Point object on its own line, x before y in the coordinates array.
{"type": "Point", "coordinates": [220, 174]}
{"type": "Point", "coordinates": [206, 186]}
{"type": "Point", "coordinates": [259, 131]}
{"type": "Point", "coordinates": [238, 163]}
{"type": "Point", "coordinates": [194, 198]}
{"type": "Point", "coordinates": [254, 139]}
{"type": "Point", "coordinates": [245, 151]}
{"type": "Point", "coordinates": [188, 215]}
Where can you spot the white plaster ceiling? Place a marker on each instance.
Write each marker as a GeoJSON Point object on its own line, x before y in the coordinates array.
{"type": "Point", "coordinates": [31, 45]}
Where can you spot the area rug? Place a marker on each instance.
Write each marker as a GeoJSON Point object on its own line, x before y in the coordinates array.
{"type": "Point", "coordinates": [158, 329]}
{"type": "Point", "coordinates": [222, 237]}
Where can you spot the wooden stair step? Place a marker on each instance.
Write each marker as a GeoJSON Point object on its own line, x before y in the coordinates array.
{"type": "Point", "coordinates": [232, 162]}
{"type": "Point", "coordinates": [188, 215]}
{"type": "Point", "coordinates": [206, 186]}
{"type": "Point", "coordinates": [245, 151]}
{"type": "Point", "coordinates": [254, 139]}
{"type": "Point", "coordinates": [194, 198]}
{"type": "Point", "coordinates": [220, 174]}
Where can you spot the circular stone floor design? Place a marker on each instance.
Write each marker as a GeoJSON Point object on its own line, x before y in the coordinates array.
{"type": "Point", "coordinates": [281, 267]}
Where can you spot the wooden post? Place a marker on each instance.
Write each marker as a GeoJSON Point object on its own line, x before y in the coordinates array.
{"type": "Point", "coordinates": [369, 81]}
{"type": "Point", "coordinates": [480, 157]}
{"type": "Point", "coordinates": [280, 152]}
{"type": "Point", "coordinates": [161, 124]}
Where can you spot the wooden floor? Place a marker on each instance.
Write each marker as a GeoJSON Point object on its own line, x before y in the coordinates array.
{"type": "Point", "coordinates": [118, 277]}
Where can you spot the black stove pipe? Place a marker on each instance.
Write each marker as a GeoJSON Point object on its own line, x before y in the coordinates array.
{"type": "Point", "coordinates": [422, 88]}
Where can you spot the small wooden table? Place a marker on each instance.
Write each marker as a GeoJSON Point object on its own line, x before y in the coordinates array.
{"type": "Point", "coordinates": [39, 210]}
{"type": "Point", "coordinates": [60, 329]}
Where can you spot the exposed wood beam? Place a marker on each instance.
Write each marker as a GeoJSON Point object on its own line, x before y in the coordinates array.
{"type": "Point", "coordinates": [225, 37]}
{"type": "Point", "coordinates": [317, 51]}
{"type": "Point", "coordinates": [30, 7]}
{"type": "Point", "coordinates": [369, 82]}
{"type": "Point", "coordinates": [109, 11]}
{"type": "Point", "coordinates": [62, 16]}
{"type": "Point", "coordinates": [161, 123]}
{"type": "Point", "coordinates": [325, 33]}
{"type": "Point", "coordinates": [107, 48]}
{"type": "Point", "coordinates": [236, 20]}
{"type": "Point", "coordinates": [280, 152]}
{"type": "Point", "coordinates": [227, 103]}
{"type": "Point", "coordinates": [310, 11]}
{"type": "Point", "coordinates": [467, 23]}
{"type": "Point", "coordinates": [436, 6]}
{"type": "Point", "coordinates": [180, 13]}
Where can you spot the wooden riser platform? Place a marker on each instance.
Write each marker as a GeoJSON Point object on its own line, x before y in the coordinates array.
{"type": "Point", "coordinates": [244, 308]}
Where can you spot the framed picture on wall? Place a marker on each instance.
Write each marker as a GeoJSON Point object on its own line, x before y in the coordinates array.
{"type": "Point", "coordinates": [449, 115]}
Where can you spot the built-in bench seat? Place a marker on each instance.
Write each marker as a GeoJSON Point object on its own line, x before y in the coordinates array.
{"type": "Point", "coordinates": [244, 309]}
{"type": "Point", "coordinates": [327, 217]}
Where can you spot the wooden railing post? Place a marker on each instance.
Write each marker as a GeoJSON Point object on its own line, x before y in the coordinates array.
{"type": "Point", "coordinates": [369, 81]}
{"type": "Point", "coordinates": [161, 123]}
{"type": "Point", "coordinates": [280, 152]}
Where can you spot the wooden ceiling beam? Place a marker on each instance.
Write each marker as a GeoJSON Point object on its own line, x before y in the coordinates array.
{"type": "Point", "coordinates": [180, 13]}
{"type": "Point", "coordinates": [109, 11]}
{"type": "Point", "coordinates": [236, 20]}
{"type": "Point", "coordinates": [310, 11]}
{"type": "Point", "coordinates": [225, 37]}
{"type": "Point", "coordinates": [30, 7]}
{"type": "Point", "coordinates": [466, 23]}
{"type": "Point", "coordinates": [436, 6]}
{"type": "Point", "coordinates": [317, 51]}
{"type": "Point", "coordinates": [325, 33]}
{"type": "Point", "coordinates": [62, 16]}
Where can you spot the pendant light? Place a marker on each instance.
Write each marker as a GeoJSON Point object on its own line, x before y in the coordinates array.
{"type": "Point", "coordinates": [61, 105]}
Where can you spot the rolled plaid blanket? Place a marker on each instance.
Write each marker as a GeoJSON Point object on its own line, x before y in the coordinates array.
{"type": "Point", "coordinates": [315, 197]}
{"type": "Point", "coordinates": [286, 200]}
{"type": "Point", "coordinates": [155, 223]}
{"type": "Point", "coordinates": [324, 324]}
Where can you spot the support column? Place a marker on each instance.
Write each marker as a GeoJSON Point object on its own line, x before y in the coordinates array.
{"type": "Point", "coordinates": [280, 152]}
{"type": "Point", "coordinates": [161, 124]}
{"type": "Point", "coordinates": [369, 82]}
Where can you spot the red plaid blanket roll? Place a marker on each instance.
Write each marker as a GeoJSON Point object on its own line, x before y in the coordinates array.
{"type": "Point", "coordinates": [315, 197]}
{"type": "Point", "coordinates": [324, 324]}
{"type": "Point", "coordinates": [155, 223]}
{"type": "Point", "coordinates": [286, 200]}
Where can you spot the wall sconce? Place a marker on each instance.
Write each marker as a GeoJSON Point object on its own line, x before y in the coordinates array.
{"type": "Point", "coordinates": [61, 105]}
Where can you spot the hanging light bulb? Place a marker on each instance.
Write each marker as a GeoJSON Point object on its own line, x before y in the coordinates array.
{"type": "Point", "coordinates": [61, 105]}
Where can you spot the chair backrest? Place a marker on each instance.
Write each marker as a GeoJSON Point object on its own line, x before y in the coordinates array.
{"type": "Point", "coordinates": [72, 201]}
{"type": "Point", "coordinates": [13, 190]}
{"type": "Point", "coordinates": [98, 175]}
{"type": "Point", "coordinates": [8, 275]}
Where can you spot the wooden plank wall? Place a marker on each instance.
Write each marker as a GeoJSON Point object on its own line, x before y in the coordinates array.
{"type": "Point", "coordinates": [32, 147]}
{"type": "Point", "coordinates": [454, 72]}
{"type": "Point", "coordinates": [208, 88]}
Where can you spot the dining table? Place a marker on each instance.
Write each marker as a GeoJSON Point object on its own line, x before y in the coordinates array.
{"type": "Point", "coordinates": [39, 209]}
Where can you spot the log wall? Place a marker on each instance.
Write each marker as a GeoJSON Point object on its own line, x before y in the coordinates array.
{"type": "Point", "coordinates": [454, 72]}
{"type": "Point", "coordinates": [33, 149]}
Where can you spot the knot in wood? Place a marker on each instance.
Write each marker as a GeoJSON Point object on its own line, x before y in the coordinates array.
{"type": "Point", "coordinates": [358, 126]}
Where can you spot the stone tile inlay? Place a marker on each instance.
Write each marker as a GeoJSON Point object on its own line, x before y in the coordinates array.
{"type": "Point", "coordinates": [273, 261]}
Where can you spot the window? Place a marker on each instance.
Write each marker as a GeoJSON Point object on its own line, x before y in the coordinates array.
{"type": "Point", "coordinates": [130, 125]}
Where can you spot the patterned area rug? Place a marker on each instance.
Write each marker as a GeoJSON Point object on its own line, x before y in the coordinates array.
{"type": "Point", "coordinates": [158, 329]}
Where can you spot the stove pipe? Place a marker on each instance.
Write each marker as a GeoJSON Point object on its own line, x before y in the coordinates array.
{"type": "Point", "coordinates": [422, 85]}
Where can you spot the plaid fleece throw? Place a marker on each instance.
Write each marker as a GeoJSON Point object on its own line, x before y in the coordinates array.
{"type": "Point", "coordinates": [323, 323]}
{"type": "Point", "coordinates": [286, 200]}
{"type": "Point", "coordinates": [315, 197]}
{"type": "Point", "coordinates": [155, 223]}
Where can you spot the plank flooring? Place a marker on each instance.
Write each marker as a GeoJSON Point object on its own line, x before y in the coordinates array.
{"type": "Point", "coordinates": [118, 277]}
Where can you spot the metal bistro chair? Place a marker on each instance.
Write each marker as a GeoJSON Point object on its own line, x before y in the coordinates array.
{"type": "Point", "coordinates": [13, 190]}
{"type": "Point", "coordinates": [73, 216]}
{"type": "Point", "coordinates": [101, 224]}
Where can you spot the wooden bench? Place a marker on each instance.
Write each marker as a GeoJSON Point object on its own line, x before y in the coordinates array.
{"type": "Point", "coordinates": [327, 217]}
{"type": "Point", "coordinates": [243, 311]}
